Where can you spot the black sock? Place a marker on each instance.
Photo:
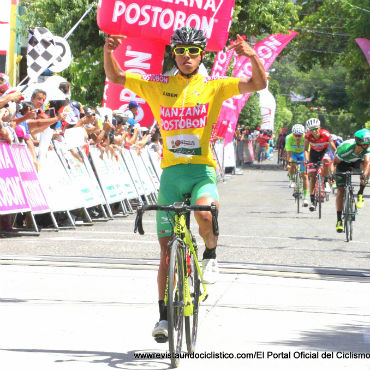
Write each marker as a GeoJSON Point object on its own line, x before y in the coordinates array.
{"type": "Point", "coordinates": [339, 215]}
{"type": "Point", "coordinates": [162, 310]}
{"type": "Point", "coordinates": [209, 253]}
{"type": "Point", "coordinates": [312, 198]}
{"type": "Point", "coordinates": [361, 191]}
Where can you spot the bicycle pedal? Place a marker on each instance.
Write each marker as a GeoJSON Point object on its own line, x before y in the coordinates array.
{"type": "Point", "coordinates": [161, 338]}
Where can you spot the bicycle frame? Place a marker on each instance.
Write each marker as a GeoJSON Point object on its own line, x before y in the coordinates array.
{"type": "Point", "coordinates": [184, 238]}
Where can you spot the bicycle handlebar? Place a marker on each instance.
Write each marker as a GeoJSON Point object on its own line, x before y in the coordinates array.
{"type": "Point", "coordinates": [350, 173]}
{"type": "Point", "coordinates": [178, 207]}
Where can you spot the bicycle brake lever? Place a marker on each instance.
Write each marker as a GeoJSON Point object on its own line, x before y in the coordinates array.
{"type": "Point", "coordinates": [214, 212]}
{"type": "Point", "coordinates": [139, 221]}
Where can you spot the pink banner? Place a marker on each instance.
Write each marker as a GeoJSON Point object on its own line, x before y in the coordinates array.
{"type": "Point", "coordinates": [364, 44]}
{"type": "Point", "coordinates": [12, 194]}
{"type": "Point", "coordinates": [220, 67]}
{"type": "Point", "coordinates": [142, 56]}
{"type": "Point", "coordinates": [267, 50]}
{"type": "Point", "coordinates": [157, 20]}
{"type": "Point", "coordinates": [34, 193]}
{"type": "Point", "coordinates": [222, 62]}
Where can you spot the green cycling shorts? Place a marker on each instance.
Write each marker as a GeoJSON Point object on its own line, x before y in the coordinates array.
{"type": "Point", "coordinates": [199, 180]}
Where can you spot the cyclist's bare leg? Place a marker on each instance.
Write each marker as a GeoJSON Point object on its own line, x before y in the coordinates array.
{"type": "Point", "coordinates": [204, 220]}
{"type": "Point", "coordinates": [305, 180]}
{"type": "Point", "coordinates": [326, 169]}
{"type": "Point", "coordinates": [340, 198]}
{"type": "Point", "coordinates": [163, 266]}
{"type": "Point", "coordinates": [291, 169]}
{"type": "Point", "coordinates": [312, 182]}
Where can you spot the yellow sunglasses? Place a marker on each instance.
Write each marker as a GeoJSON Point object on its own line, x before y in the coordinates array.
{"type": "Point", "coordinates": [192, 50]}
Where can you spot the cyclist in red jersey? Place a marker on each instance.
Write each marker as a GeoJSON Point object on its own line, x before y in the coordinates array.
{"type": "Point", "coordinates": [318, 140]}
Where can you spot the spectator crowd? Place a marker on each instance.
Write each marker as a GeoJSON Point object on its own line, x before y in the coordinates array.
{"type": "Point", "coordinates": [23, 121]}
{"type": "Point", "coordinates": [252, 145]}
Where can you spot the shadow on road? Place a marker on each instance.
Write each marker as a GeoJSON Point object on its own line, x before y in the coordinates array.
{"type": "Point", "coordinates": [112, 359]}
{"type": "Point", "coordinates": [346, 338]}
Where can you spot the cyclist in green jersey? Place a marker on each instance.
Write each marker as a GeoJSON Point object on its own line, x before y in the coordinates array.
{"type": "Point", "coordinates": [294, 146]}
{"type": "Point", "coordinates": [186, 107]}
{"type": "Point", "coordinates": [352, 154]}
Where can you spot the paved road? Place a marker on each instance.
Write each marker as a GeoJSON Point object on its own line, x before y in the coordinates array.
{"type": "Point", "coordinates": [259, 226]}
{"type": "Point", "coordinates": [290, 286]}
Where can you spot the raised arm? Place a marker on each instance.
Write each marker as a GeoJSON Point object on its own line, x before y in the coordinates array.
{"type": "Point", "coordinates": [113, 71]}
{"type": "Point", "coordinates": [258, 80]}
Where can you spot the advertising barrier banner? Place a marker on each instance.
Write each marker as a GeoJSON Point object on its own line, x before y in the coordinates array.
{"type": "Point", "coordinates": [30, 181]}
{"type": "Point", "coordinates": [12, 195]}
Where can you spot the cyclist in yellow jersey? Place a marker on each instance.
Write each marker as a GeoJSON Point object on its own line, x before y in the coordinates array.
{"type": "Point", "coordinates": [186, 107]}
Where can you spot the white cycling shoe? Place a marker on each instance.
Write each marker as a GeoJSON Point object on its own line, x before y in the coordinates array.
{"type": "Point", "coordinates": [210, 271]}
{"type": "Point", "coordinates": [160, 331]}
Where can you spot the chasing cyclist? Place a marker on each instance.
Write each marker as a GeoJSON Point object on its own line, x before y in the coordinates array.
{"type": "Point", "coordinates": [294, 146]}
{"type": "Point", "coordinates": [186, 107]}
{"type": "Point", "coordinates": [352, 154]}
{"type": "Point", "coordinates": [318, 140]}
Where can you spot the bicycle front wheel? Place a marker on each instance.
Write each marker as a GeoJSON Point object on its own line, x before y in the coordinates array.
{"type": "Point", "coordinates": [191, 322]}
{"type": "Point", "coordinates": [319, 192]}
{"type": "Point", "coordinates": [298, 186]}
{"type": "Point", "coordinates": [175, 304]}
{"type": "Point", "coordinates": [347, 214]}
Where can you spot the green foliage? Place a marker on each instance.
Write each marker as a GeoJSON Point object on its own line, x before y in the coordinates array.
{"type": "Point", "coordinates": [251, 113]}
{"type": "Point", "coordinates": [255, 17]}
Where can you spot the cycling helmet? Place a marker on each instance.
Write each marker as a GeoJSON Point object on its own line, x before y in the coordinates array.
{"type": "Point", "coordinates": [334, 137]}
{"type": "Point", "coordinates": [189, 36]}
{"type": "Point", "coordinates": [362, 136]}
{"type": "Point", "coordinates": [298, 129]}
{"type": "Point", "coordinates": [75, 104]}
{"type": "Point", "coordinates": [312, 123]}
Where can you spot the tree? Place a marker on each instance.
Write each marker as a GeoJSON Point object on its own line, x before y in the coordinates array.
{"type": "Point", "coordinates": [327, 37]}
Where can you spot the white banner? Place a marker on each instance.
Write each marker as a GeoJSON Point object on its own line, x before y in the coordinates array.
{"type": "Point", "coordinates": [268, 107]}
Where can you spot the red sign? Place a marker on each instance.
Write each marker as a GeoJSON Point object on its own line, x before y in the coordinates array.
{"type": "Point", "coordinates": [141, 56]}
{"type": "Point", "coordinates": [157, 19]}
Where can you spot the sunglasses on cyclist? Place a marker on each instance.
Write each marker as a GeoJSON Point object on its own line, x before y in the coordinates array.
{"type": "Point", "coordinates": [297, 135]}
{"type": "Point", "coordinates": [314, 129]}
{"type": "Point", "coordinates": [192, 50]}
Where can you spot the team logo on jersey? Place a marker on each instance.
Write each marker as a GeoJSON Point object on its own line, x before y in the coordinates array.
{"type": "Point", "coordinates": [171, 95]}
{"type": "Point", "coordinates": [184, 145]}
{"type": "Point", "coordinates": [155, 78]}
{"type": "Point", "coordinates": [183, 118]}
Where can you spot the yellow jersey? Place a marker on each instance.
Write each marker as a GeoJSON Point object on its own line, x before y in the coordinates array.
{"type": "Point", "coordinates": [186, 111]}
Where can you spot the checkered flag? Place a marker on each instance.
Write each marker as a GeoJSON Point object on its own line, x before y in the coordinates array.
{"type": "Point", "coordinates": [41, 51]}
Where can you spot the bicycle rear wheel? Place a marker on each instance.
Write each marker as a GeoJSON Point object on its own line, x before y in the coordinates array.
{"type": "Point", "coordinates": [175, 304]}
{"type": "Point", "coordinates": [191, 322]}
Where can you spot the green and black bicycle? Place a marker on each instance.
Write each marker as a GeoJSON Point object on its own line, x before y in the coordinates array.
{"type": "Point", "coordinates": [184, 290]}
{"type": "Point", "coordinates": [349, 204]}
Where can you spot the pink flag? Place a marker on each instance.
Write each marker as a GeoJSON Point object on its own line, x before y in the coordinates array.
{"type": "Point", "coordinates": [267, 50]}
{"type": "Point", "coordinates": [364, 44]}
{"type": "Point", "coordinates": [142, 56]}
{"type": "Point", "coordinates": [222, 62]}
{"type": "Point", "coordinates": [220, 67]}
